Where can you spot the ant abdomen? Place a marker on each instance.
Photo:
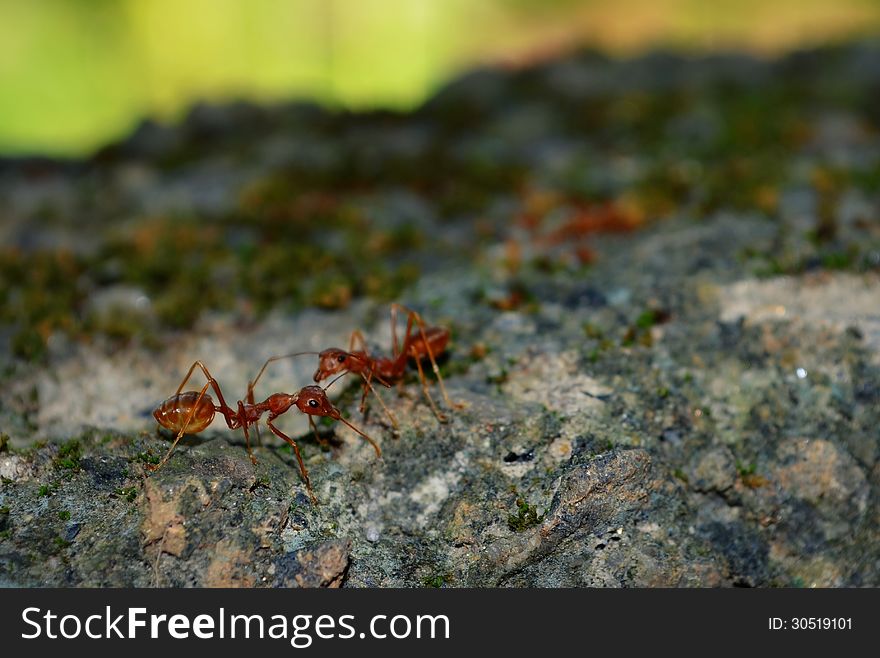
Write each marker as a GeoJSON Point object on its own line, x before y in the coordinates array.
{"type": "Point", "coordinates": [173, 413]}
{"type": "Point", "coordinates": [437, 338]}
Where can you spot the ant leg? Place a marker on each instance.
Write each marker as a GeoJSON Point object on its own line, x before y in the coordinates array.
{"type": "Point", "coordinates": [252, 385]}
{"type": "Point", "coordinates": [395, 346]}
{"type": "Point", "coordinates": [247, 441]}
{"type": "Point", "coordinates": [224, 408]}
{"type": "Point", "coordinates": [250, 400]}
{"type": "Point", "coordinates": [424, 382]}
{"type": "Point", "coordinates": [323, 442]}
{"type": "Point", "coordinates": [299, 459]}
{"type": "Point", "coordinates": [182, 431]}
{"type": "Point", "coordinates": [188, 375]}
{"type": "Point", "coordinates": [357, 337]}
{"type": "Point", "coordinates": [368, 387]}
{"type": "Point", "coordinates": [400, 354]}
{"type": "Point", "coordinates": [414, 316]}
{"type": "Point", "coordinates": [434, 365]}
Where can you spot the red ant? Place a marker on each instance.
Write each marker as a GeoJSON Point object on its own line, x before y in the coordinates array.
{"type": "Point", "coordinates": [192, 412]}
{"type": "Point", "coordinates": [427, 342]}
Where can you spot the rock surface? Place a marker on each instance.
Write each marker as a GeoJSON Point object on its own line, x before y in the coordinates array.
{"type": "Point", "coordinates": [661, 277]}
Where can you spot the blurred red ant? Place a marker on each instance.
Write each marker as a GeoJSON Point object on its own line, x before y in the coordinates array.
{"type": "Point", "coordinates": [192, 411]}
{"type": "Point", "coordinates": [427, 342]}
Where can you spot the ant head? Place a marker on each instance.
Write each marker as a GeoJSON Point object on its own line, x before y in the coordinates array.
{"type": "Point", "coordinates": [331, 362]}
{"type": "Point", "coordinates": [313, 400]}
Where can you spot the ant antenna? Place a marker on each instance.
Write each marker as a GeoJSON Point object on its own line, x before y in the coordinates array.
{"type": "Point", "coordinates": [335, 379]}
{"type": "Point", "coordinates": [364, 435]}
{"type": "Point", "coordinates": [253, 384]}
{"type": "Point", "coordinates": [338, 416]}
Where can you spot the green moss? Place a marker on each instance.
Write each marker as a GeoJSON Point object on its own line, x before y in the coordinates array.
{"type": "Point", "coordinates": [436, 581]}
{"type": "Point", "coordinates": [64, 515]}
{"type": "Point", "coordinates": [68, 467]}
{"type": "Point", "coordinates": [647, 319]}
{"type": "Point", "coordinates": [119, 324]}
{"type": "Point", "coordinates": [39, 300]}
{"type": "Point", "coordinates": [128, 494]}
{"type": "Point", "coordinates": [498, 378]}
{"type": "Point", "coordinates": [745, 469]}
{"type": "Point", "coordinates": [749, 476]}
{"type": "Point", "coordinates": [593, 331]}
{"type": "Point", "coordinates": [28, 344]}
{"type": "Point", "coordinates": [60, 542]}
{"type": "Point", "coordinates": [788, 261]}
{"type": "Point", "coordinates": [383, 284]}
{"type": "Point", "coordinates": [260, 482]}
{"type": "Point", "coordinates": [680, 474]}
{"type": "Point", "coordinates": [330, 291]}
{"type": "Point", "coordinates": [45, 490]}
{"type": "Point", "coordinates": [451, 367]}
{"type": "Point", "coordinates": [636, 336]}
{"type": "Point", "coordinates": [147, 457]}
{"type": "Point", "coordinates": [639, 332]}
{"type": "Point", "coordinates": [274, 252]}
{"type": "Point", "coordinates": [180, 304]}
{"type": "Point", "coordinates": [69, 454]}
{"type": "Point", "coordinates": [525, 517]}
{"type": "Point", "coordinates": [405, 237]}
{"type": "Point", "coordinates": [839, 260]}
{"type": "Point", "coordinates": [4, 443]}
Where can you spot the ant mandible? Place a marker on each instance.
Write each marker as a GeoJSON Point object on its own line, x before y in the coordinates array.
{"type": "Point", "coordinates": [192, 411]}
{"type": "Point", "coordinates": [425, 342]}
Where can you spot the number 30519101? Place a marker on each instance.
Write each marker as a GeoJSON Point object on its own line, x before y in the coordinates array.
{"type": "Point", "coordinates": [810, 623]}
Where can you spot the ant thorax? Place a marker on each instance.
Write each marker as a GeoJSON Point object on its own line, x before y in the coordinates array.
{"type": "Point", "coordinates": [279, 403]}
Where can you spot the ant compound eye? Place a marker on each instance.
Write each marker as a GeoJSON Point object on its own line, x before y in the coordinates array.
{"type": "Point", "coordinates": [340, 358]}
{"type": "Point", "coordinates": [313, 403]}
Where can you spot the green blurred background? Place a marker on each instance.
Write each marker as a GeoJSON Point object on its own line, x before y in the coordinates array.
{"type": "Point", "coordinates": [75, 74]}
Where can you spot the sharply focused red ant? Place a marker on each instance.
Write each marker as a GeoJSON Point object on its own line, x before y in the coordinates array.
{"type": "Point", "coordinates": [425, 342]}
{"type": "Point", "coordinates": [192, 411]}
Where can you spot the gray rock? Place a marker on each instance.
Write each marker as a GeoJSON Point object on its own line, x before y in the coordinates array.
{"type": "Point", "coordinates": [661, 373]}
